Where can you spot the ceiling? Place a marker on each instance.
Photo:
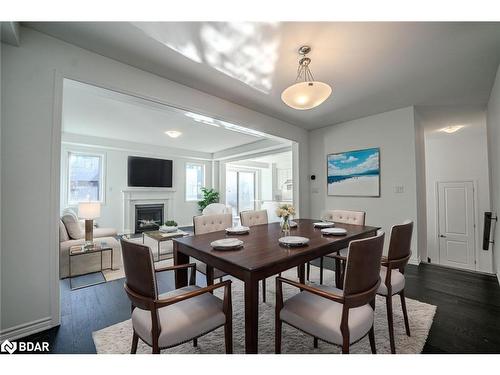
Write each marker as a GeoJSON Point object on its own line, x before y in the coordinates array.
{"type": "Point", "coordinates": [93, 111]}
{"type": "Point", "coordinates": [372, 67]}
{"type": "Point", "coordinates": [435, 118]}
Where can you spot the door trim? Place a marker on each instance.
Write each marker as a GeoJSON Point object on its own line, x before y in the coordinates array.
{"type": "Point", "coordinates": [475, 221]}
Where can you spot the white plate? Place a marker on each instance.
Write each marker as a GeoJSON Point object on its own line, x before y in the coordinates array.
{"type": "Point", "coordinates": [324, 224]}
{"type": "Point", "coordinates": [334, 231]}
{"type": "Point", "coordinates": [227, 244]}
{"type": "Point", "coordinates": [293, 224]}
{"type": "Point", "coordinates": [293, 241]}
{"type": "Point", "coordinates": [238, 230]}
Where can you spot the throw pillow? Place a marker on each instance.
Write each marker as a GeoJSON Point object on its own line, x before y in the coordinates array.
{"type": "Point", "coordinates": [72, 225]}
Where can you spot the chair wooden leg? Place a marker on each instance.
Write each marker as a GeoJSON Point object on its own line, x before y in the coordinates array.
{"type": "Point", "coordinates": [388, 302]}
{"type": "Point", "coordinates": [195, 342]}
{"type": "Point", "coordinates": [371, 336]}
{"type": "Point", "coordinates": [321, 271]}
{"type": "Point", "coordinates": [156, 348]}
{"type": "Point", "coordinates": [277, 335]}
{"type": "Point", "coordinates": [345, 347]}
{"type": "Point", "coordinates": [315, 343]}
{"type": "Point", "coordinates": [228, 336]}
{"type": "Point", "coordinates": [308, 271]}
{"type": "Point", "coordinates": [135, 341]}
{"type": "Point", "coordinates": [264, 290]}
{"type": "Point", "coordinates": [405, 313]}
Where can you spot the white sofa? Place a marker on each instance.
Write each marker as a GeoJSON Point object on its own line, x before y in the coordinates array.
{"type": "Point", "coordinates": [88, 262]}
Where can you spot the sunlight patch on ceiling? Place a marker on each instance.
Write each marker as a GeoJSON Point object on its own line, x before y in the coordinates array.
{"type": "Point", "coordinates": [245, 51]}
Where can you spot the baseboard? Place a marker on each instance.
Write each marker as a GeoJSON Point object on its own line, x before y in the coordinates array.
{"type": "Point", "coordinates": [414, 261]}
{"type": "Point", "coordinates": [26, 329]}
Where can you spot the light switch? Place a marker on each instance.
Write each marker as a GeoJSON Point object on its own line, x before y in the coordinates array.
{"type": "Point", "coordinates": [315, 190]}
{"type": "Point", "coordinates": [398, 189]}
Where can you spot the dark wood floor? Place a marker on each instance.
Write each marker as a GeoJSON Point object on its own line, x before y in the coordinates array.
{"type": "Point", "coordinates": [467, 318]}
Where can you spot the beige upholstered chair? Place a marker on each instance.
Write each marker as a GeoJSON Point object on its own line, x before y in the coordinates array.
{"type": "Point", "coordinates": [166, 320]}
{"type": "Point", "coordinates": [249, 219]}
{"type": "Point", "coordinates": [339, 317]}
{"type": "Point", "coordinates": [216, 208]}
{"type": "Point", "coordinates": [345, 217]}
{"type": "Point", "coordinates": [206, 224]}
{"type": "Point", "coordinates": [392, 273]}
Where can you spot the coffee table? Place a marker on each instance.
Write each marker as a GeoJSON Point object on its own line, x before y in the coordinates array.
{"type": "Point", "coordinates": [160, 237]}
{"type": "Point", "coordinates": [79, 250]}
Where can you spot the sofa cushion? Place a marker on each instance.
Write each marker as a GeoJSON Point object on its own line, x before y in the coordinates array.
{"type": "Point", "coordinates": [104, 232]}
{"type": "Point", "coordinates": [72, 225]}
{"type": "Point", "coordinates": [63, 233]}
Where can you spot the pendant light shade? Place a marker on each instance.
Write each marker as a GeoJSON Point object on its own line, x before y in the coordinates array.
{"type": "Point", "coordinates": [306, 93]}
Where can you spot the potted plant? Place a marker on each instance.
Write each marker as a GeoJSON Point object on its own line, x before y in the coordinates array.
{"type": "Point", "coordinates": [285, 211]}
{"type": "Point", "coordinates": [209, 196]}
{"type": "Point", "coordinates": [169, 226]}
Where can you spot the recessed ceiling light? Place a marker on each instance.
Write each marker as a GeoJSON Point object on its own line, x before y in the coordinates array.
{"type": "Point", "coordinates": [452, 129]}
{"type": "Point", "coordinates": [173, 133]}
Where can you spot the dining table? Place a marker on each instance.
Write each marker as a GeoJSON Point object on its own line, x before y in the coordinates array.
{"type": "Point", "coordinates": [260, 257]}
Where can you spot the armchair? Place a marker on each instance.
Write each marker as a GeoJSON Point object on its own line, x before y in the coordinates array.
{"type": "Point", "coordinates": [166, 320]}
{"type": "Point", "coordinates": [339, 317]}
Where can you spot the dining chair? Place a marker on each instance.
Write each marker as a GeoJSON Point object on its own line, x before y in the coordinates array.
{"type": "Point", "coordinates": [248, 219]}
{"type": "Point", "coordinates": [166, 320]}
{"type": "Point", "coordinates": [206, 224]}
{"type": "Point", "coordinates": [344, 217]}
{"type": "Point", "coordinates": [339, 317]}
{"type": "Point", "coordinates": [392, 274]}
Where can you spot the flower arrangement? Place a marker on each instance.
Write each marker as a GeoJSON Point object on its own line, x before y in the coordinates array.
{"type": "Point", "coordinates": [285, 211]}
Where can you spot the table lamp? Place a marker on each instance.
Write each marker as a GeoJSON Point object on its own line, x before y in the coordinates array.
{"type": "Point", "coordinates": [89, 211]}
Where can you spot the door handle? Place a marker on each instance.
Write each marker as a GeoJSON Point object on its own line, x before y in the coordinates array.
{"type": "Point", "coordinates": [442, 236]}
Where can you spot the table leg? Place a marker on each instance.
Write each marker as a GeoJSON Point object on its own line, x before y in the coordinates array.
{"type": "Point", "coordinates": [210, 275]}
{"type": "Point", "coordinates": [159, 250]}
{"type": "Point", "coordinates": [251, 315]}
{"type": "Point", "coordinates": [338, 278]}
{"type": "Point", "coordinates": [302, 273]}
{"type": "Point", "coordinates": [181, 276]}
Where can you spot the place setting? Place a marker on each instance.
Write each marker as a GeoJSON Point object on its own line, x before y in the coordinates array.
{"type": "Point", "coordinates": [227, 244]}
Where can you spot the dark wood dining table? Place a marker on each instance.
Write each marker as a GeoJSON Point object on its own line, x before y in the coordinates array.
{"type": "Point", "coordinates": [261, 257]}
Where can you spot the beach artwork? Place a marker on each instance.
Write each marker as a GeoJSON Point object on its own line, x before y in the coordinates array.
{"type": "Point", "coordinates": [354, 173]}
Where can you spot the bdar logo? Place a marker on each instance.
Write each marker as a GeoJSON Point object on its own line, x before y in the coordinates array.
{"type": "Point", "coordinates": [8, 346]}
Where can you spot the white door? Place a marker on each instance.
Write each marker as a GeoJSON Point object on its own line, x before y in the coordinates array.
{"type": "Point", "coordinates": [456, 224]}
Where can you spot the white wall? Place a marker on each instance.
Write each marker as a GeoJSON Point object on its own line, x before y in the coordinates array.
{"type": "Point", "coordinates": [394, 133]}
{"type": "Point", "coordinates": [115, 180]}
{"type": "Point", "coordinates": [460, 156]}
{"type": "Point", "coordinates": [493, 124]}
{"type": "Point", "coordinates": [31, 99]}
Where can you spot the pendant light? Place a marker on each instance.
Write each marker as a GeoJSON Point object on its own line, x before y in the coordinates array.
{"type": "Point", "coordinates": [306, 93]}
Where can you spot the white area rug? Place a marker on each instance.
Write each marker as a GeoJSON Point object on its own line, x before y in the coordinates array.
{"type": "Point", "coordinates": [117, 338]}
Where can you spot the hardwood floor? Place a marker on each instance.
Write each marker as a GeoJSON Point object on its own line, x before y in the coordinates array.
{"type": "Point", "coordinates": [466, 320]}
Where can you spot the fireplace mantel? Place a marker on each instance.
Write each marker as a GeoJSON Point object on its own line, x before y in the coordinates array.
{"type": "Point", "coordinates": [133, 196]}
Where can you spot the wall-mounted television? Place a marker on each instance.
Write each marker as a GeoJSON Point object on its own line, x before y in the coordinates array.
{"type": "Point", "coordinates": [148, 172]}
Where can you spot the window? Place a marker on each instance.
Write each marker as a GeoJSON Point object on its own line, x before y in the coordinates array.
{"type": "Point", "coordinates": [85, 177]}
{"type": "Point", "coordinates": [195, 179]}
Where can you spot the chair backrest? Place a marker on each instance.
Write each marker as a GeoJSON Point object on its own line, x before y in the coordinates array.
{"type": "Point", "coordinates": [212, 223]}
{"type": "Point", "coordinates": [216, 208]}
{"type": "Point", "coordinates": [362, 271]}
{"type": "Point", "coordinates": [139, 269]}
{"type": "Point", "coordinates": [400, 243]}
{"type": "Point", "coordinates": [251, 218]}
{"type": "Point", "coordinates": [345, 216]}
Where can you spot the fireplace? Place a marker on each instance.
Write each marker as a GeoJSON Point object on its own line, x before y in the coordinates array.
{"type": "Point", "coordinates": [148, 217]}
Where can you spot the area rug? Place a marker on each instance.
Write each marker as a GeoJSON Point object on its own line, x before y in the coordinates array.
{"type": "Point", "coordinates": [166, 251]}
{"type": "Point", "coordinates": [116, 339]}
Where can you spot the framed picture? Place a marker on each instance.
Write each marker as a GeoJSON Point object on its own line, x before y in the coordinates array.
{"type": "Point", "coordinates": [354, 173]}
